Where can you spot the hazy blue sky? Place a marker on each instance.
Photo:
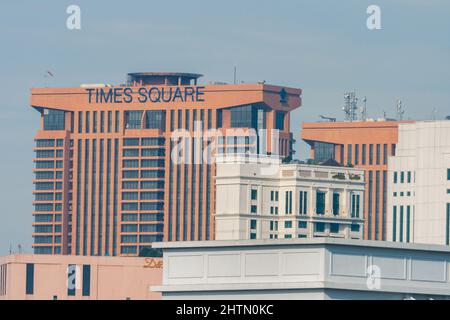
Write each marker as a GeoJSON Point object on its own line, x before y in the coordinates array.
{"type": "Point", "coordinates": [322, 47]}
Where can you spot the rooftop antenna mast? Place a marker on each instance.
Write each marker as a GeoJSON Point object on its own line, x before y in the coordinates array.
{"type": "Point", "coordinates": [364, 109]}
{"type": "Point", "coordinates": [350, 106]}
{"type": "Point", "coordinates": [400, 110]}
{"type": "Point", "coordinates": [235, 71]}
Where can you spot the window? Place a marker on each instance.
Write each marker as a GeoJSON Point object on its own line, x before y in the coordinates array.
{"type": "Point", "coordinates": [319, 227]}
{"type": "Point", "coordinates": [86, 290]}
{"type": "Point", "coordinates": [155, 119]}
{"type": "Point", "coordinates": [363, 155]}
{"type": "Point", "coordinates": [288, 204]}
{"type": "Point", "coordinates": [336, 204]}
{"type": "Point", "coordinates": [279, 120]}
{"type": "Point", "coordinates": [371, 154]}
{"type": "Point", "coordinates": [409, 176]}
{"type": "Point", "coordinates": [288, 236]}
{"type": "Point", "coordinates": [302, 224]}
{"type": "Point", "coordinates": [53, 119]}
{"type": "Point", "coordinates": [303, 202]}
{"type": "Point", "coordinates": [29, 279]}
{"type": "Point", "coordinates": [334, 227]}
{"type": "Point", "coordinates": [323, 151]}
{"type": "Point", "coordinates": [320, 202]}
{"type": "Point", "coordinates": [133, 119]}
{"type": "Point", "coordinates": [356, 154]}
{"type": "Point", "coordinates": [401, 224]}
{"type": "Point", "coordinates": [131, 152]}
{"type": "Point", "coordinates": [354, 228]}
{"type": "Point", "coordinates": [349, 154]}
{"type": "Point", "coordinates": [252, 236]}
{"type": "Point", "coordinates": [395, 177]}
{"type": "Point", "coordinates": [288, 224]}
{"type": "Point", "coordinates": [253, 209]}
{"type": "Point", "coordinates": [378, 157]}
{"type": "Point", "coordinates": [254, 194]}
{"type": "Point", "coordinates": [355, 205]}
{"type": "Point", "coordinates": [448, 174]}
{"type": "Point", "coordinates": [252, 224]}
{"type": "Point", "coordinates": [402, 177]}
{"type": "Point", "coordinates": [131, 142]}
{"type": "Point", "coordinates": [94, 122]}
{"type": "Point", "coordinates": [385, 154]}
{"type": "Point", "coordinates": [447, 226]}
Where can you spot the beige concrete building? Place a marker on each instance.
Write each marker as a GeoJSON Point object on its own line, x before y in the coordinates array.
{"type": "Point", "coordinates": [263, 198]}
{"type": "Point", "coordinates": [56, 277]}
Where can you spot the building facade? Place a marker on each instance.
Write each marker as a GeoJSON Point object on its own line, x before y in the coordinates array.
{"type": "Point", "coordinates": [364, 145]}
{"type": "Point", "coordinates": [304, 269]}
{"type": "Point", "coordinates": [57, 277]}
{"type": "Point", "coordinates": [261, 198]}
{"type": "Point", "coordinates": [106, 178]}
{"type": "Point", "coordinates": [419, 184]}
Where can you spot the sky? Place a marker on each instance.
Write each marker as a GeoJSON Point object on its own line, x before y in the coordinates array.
{"type": "Point", "coordinates": [321, 46]}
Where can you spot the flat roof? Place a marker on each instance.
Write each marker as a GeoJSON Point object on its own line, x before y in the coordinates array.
{"type": "Point", "coordinates": [289, 242]}
{"type": "Point", "coordinates": [166, 74]}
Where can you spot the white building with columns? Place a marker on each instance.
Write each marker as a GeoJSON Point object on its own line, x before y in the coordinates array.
{"type": "Point", "coordinates": [419, 184]}
{"type": "Point", "coordinates": [258, 197]}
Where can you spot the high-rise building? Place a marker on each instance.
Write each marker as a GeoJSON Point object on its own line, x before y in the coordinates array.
{"type": "Point", "coordinates": [259, 197]}
{"type": "Point", "coordinates": [120, 167]}
{"type": "Point", "coordinates": [363, 145]}
{"type": "Point", "coordinates": [419, 184]}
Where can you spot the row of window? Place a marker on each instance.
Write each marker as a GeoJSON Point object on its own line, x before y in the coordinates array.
{"type": "Point", "coordinates": [47, 228]}
{"type": "Point", "coordinates": [47, 239]}
{"type": "Point", "coordinates": [398, 223]}
{"type": "Point", "coordinates": [105, 124]}
{"type": "Point", "coordinates": [133, 217]}
{"type": "Point", "coordinates": [134, 174]}
{"type": "Point", "coordinates": [303, 203]}
{"type": "Point", "coordinates": [145, 163]}
{"type": "Point", "coordinates": [142, 228]}
{"type": "Point", "coordinates": [144, 238]}
{"type": "Point", "coordinates": [144, 152]}
{"type": "Point", "coordinates": [127, 249]}
{"type": "Point", "coordinates": [48, 196]}
{"type": "Point", "coordinates": [42, 154]}
{"type": "Point", "coordinates": [135, 142]}
{"type": "Point", "coordinates": [48, 143]}
{"type": "Point", "coordinates": [48, 185]}
{"type": "Point", "coordinates": [48, 175]}
{"type": "Point", "coordinates": [144, 195]}
{"type": "Point", "coordinates": [46, 207]}
{"type": "Point", "coordinates": [143, 206]}
{"type": "Point", "coordinates": [405, 177]}
{"type": "Point", "coordinates": [47, 217]}
{"type": "Point", "coordinates": [49, 164]}
{"type": "Point", "coordinates": [353, 154]}
{"type": "Point", "coordinates": [128, 185]}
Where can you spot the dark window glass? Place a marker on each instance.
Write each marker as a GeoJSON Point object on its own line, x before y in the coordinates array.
{"type": "Point", "coordinates": [363, 155]}
{"type": "Point", "coordinates": [323, 151]}
{"type": "Point", "coordinates": [53, 119]}
{"type": "Point", "coordinates": [336, 204]}
{"type": "Point", "coordinates": [254, 194]}
{"type": "Point", "coordinates": [155, 119]}
{"type": "Point", "coordinates": [29, 279]}
{"type": "Point", "coordinates": [385, 154]}
{"type": "Point", "coordinates": [279, 120]}
{"type": "Point", "coordinates": [378, 156]}
{"type": "Point", "coordinates": [133, 119]}
{"type": "Point", "coordinates": [86, 281]}
{"type": "Point", "coordinates": [349, 154]}
{"type": "Point", "coordinates": [320, 202]}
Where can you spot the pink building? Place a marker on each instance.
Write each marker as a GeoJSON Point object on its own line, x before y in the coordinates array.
{"type": "Point", "coordinates": [47, 277]}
